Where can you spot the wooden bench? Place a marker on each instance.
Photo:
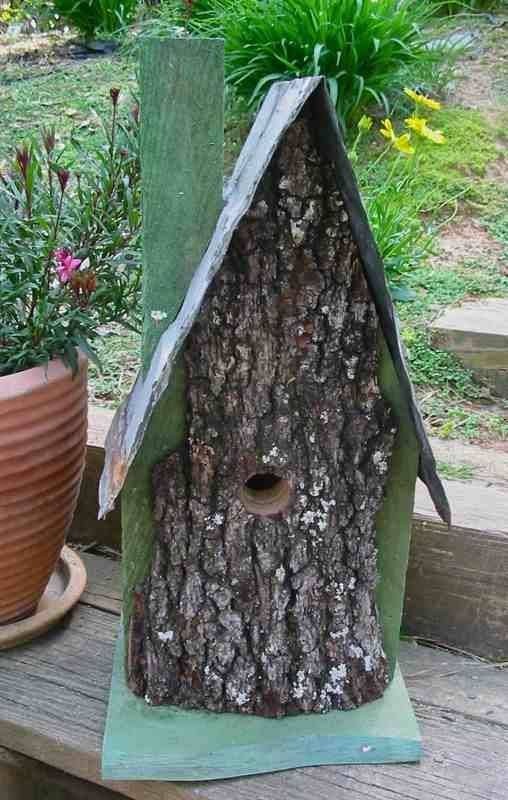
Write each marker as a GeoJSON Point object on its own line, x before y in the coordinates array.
{"type": "Point", "coordinates": [53, 697]}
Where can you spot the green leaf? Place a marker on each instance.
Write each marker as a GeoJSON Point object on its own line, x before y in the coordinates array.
{"type": "Point", "coordinates": [89, 352]}
{"type": "Point", "coordinates": [403, 294]}
{"type": "Point", "coordinates": [70, 357]}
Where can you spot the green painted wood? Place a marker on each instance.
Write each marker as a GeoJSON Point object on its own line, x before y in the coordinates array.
{"type": "Point", "coordinates": [394, 520]}
{"type": "Point", "coordinates": [182, 123]}
{"type": "Point", "coordinates": [168, 743]}
{"type": "Point", "coordinates": [182, 134]}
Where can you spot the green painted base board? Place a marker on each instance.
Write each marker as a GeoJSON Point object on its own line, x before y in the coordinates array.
{"type": "Point", "coordinates": [166, 743]}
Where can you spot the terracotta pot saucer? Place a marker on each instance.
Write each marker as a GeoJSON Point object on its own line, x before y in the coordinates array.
{"type": "Point", "coordinates": [65, 587]}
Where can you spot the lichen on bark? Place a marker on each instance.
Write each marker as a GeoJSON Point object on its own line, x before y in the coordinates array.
{"type": "Point", "coordinates": [273, 614]}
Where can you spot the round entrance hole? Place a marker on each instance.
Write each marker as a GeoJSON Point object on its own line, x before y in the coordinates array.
{"type": "Point", "coordinates": [265, 494]}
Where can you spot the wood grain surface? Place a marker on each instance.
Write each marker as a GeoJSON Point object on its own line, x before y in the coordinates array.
{"type": "Point", "coordinates": [53, 696]}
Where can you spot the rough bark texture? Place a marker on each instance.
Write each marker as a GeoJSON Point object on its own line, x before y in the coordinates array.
{"type": "Point", "coordinates": [274, 614]}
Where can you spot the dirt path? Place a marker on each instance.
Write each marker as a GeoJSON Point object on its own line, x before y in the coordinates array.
{"type": "Point", "coordinates": [482, 85]}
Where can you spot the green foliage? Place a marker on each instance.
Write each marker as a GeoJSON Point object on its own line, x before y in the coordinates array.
{"type": "Point", "coordinates": [446, 174]}
{"type": "Point", "coordinates": [448, 420]}
{"type": "Point", "coordinates": [33, 97]}
{"type": "Point", "coordinates": [358, 45]}
{"type": "Point", "coordinates": [431, 367]}
{"type": "Point", "coordinates": [405, 197]}
{"type": "Point", "coordinates": [455, 472]}
{"type": "Point", "coordinates": [448, 285]}
{"type": "Point", "coordinates": [394, 212]}
{"type": "Point", "coordinates": [393, 196]}
{"type": "Point", "coordinates": [436, 288]}
{"type": "Point", "coordinates": [118, 353]}
{"type": "Point", "coordinates": [458, 170]}
{"type": "Point", "coordinates": [451, 382]}
{"type": "Point", "coordinates": [68, 245]}
{"type": "Point", "coordinates": [496, 218]}
{"type": "Point", "coordinates": [37, 13]}
{"type": "Point", "coordinates": [92, 16]}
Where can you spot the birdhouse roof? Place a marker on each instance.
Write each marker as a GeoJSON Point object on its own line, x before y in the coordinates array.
{"type": "Point", "coordinates": [279, 111]}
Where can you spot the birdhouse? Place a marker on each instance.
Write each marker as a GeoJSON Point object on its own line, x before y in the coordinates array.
{"type": "Point", "coordinates": [269, 449]}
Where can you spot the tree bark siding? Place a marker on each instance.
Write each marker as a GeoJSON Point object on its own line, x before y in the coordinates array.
{"type": "Point", "coordinates": [273, 612]}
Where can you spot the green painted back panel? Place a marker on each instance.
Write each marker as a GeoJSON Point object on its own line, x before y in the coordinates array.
{"type": "Point", "coordinates": [395, 518]}
{"type": "Point", "coordinates": [182, 162]}
{"type": "Point", "coordinates": [182, 124]}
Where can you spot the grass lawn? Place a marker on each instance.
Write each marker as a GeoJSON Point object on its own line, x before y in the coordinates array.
{"type": "Point", "coordinates": [464, 183]}
{"type": "Point", "coordinates": [68, 93]}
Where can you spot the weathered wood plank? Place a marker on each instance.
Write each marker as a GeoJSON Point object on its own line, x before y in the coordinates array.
{"type": "Point", "coordinates": [477, 506]}
{"type": "Point", "coordinates": [456, 683]}
{"type": "Point", "coordinates": [464, 760]}
{"type": "Point", "coordinates": [86, 526]}
{"type": "Point", "coordinates": [477, 333]}
{"type": "Point", "coordinates": [104, 587]}
{"type": "Point", "coordinates": [53, 696]}
{"type": "Point", "coordinates": [456, 590]}
{"type": "Point", "coordinates": [457, 582]}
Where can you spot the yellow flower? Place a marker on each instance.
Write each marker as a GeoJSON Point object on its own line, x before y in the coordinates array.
{"type": "Point", "coordinates": [423, 100]}
{"type": "Point", "coordinates": [387, 131]}
{"type": "Point", "coordinates": [401, 143]}
{"type": "Point", "coordinates": [437, 137]}
{"type": "Point", "coordinates": [419, 126]}
{"type": "Point", "coordinates": [416, 124]}
{"type": "Point", "coordinates": [365, 123]}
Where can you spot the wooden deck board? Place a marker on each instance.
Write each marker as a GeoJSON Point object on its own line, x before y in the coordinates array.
{"type": "Point", "coordinates": [53, 697]}
{"type": "Point", "coordinates": [104, 587]}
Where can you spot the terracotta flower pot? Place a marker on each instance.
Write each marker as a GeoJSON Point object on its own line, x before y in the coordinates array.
{"type": "Point", "coordinates": [43, 425]}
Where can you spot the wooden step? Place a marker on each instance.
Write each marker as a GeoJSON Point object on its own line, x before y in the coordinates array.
{"type": "Point", "coordinates": [54, 695]}
{"type": "Point", "coordinates": [477, 333]}
{"type": "Point", "coordinates": [457, 583]}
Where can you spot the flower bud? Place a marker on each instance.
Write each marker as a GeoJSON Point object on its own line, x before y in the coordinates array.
{"type": "Point", "coordinates": [48, 139]}
{"type": "Point", "coordinates": [365, 123]}
{"type": "Point", "coordinates": [23, 158]}
{"type": "Point", "coordinates": [114, 94]}
{"type": "Point", "coordinates": [63, 178]}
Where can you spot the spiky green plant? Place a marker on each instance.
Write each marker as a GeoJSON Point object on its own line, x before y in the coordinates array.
{"type": "Point", "coordinates": [358, 45]}
{"type": "Point", "coordinates": [91, 16]}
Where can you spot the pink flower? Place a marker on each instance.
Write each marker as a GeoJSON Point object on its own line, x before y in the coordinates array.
{"type": "Point", "coordinates": [65, 264]}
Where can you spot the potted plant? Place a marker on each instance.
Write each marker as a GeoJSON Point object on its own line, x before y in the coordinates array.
{"type": "Point", "coordinates": [67, 238]}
